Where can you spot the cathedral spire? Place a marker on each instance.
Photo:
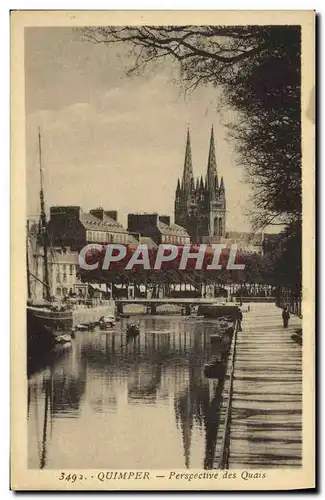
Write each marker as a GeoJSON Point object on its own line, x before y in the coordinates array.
{"type": "Point", "coordinates": [222, 186]}
{"type": "Point", "coordinates": [188, 168]}
{"type": "Point", "coordinates": [212, 168]}
{"type": "Point", "coordinates": [178, 188]}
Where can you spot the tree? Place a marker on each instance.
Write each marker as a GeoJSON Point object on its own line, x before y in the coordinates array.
{"type": "Point", "coordinates": [286, 258]}
{"type": "Point", "coordinates": [258, 68]}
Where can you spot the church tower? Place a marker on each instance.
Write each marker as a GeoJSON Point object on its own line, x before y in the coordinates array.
{"type": "Point", "coordinates": [216, 196]}
{"type": "Point", "coordinates": [185, 200]}
{"type": "Point", "coordinates": [200, 206]}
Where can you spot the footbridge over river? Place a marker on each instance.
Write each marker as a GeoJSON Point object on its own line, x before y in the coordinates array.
{"type": "Point", "coordinates": [186, 304]}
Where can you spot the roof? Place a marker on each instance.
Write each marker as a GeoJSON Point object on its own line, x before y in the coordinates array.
{"type": "Point", "coordinates": [91, 222]}
{"type": "Point", "coordinates": [148, 241]}
{"type": "Point", "coordinates": [245, 237]}
{"type": "Point", "coordinates": [143, 240]}
{"type": "Point", "coordinates": [172, 229]}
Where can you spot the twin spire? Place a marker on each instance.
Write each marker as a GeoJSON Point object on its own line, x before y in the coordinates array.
{"type": "Point", "coordinates": [188, 177]}
{"type": "Point", "coordinates": [211, 185]}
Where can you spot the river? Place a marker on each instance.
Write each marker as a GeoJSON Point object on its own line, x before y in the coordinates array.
{"type": "Point", "coordinates": [102, 404]}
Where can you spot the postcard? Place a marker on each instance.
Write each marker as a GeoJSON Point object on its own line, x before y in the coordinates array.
{"type": "Point", "coordinates": [162, 298]}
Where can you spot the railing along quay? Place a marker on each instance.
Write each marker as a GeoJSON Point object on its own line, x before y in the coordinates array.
{"type": "Point", "coordinates": [222, 447]}
{"type": "Point", "coordinates": [264, 422]}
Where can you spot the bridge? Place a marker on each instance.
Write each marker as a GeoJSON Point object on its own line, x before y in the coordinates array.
{"type": "Point", "coordinates": [186, 304]}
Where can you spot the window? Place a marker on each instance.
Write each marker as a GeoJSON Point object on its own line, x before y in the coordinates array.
{"type": "Point", "coordinates": [71, 270]}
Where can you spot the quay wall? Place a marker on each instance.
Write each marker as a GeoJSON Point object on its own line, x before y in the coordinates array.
{"type": "Point", "coordinates": [270, 300]}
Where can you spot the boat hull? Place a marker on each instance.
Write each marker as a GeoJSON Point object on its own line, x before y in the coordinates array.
{"type": "Point", "coordinates": [44, 326]}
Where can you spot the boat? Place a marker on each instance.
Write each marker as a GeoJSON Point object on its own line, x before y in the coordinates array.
{"type": "Point", "coordinates": [47, 319]}
{"type": "Point", "coordinates": [216, 338]}
{"type": "Point", "coordinates": [82, 327]}
{"type": "Point", "coordinates": [106, 322]}
{"type": "Point", "coordinates": [215, 369]}
{"type": "Point", "coordinates": [64, 339]}
{"type": "Point", "coordinates": [132, 330]}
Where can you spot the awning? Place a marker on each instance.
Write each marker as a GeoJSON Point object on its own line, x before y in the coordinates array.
{"type": "Point", "coordinates": [184, 287]}
{"type": "Point", "coordinates": [100, 287]}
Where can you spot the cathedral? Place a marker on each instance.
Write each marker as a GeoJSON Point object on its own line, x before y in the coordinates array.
{"type": "Point", "coordinates": [200, 206]}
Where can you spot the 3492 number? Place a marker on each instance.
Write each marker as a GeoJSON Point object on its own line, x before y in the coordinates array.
{"type": "Point", "coordinates": [71, 477]}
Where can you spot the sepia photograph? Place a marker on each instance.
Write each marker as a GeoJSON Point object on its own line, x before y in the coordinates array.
{"type": "Point", "coordinates": [165, 183]}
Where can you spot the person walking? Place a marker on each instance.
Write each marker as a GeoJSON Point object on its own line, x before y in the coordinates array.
{"type": "Point", "coordinates": [285, 317]}
{"type": "Point", "coordinates": [239, 319]}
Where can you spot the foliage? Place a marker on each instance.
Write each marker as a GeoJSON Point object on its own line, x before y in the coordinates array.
{"type": "Point", "coordinates": [258, 68]}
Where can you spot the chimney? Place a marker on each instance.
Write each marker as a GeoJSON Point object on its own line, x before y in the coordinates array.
{"type": "Point", "coordinates": [138, 223]}
{"type": "Point", "coordinates": [98, 213]}
{"type": "Point", "coordinates": [65, 212]}
{"type": "Point", "coordinates": [112, 214]}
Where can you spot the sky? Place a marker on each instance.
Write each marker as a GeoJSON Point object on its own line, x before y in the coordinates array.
{"type": "Point", "coordinates": [114, 141]}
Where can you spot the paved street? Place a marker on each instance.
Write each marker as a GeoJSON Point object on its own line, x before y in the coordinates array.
{"type": "Point", "coordinates": [266, 418]}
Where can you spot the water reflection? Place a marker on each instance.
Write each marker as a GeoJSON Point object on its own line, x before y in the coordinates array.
{"type": "Point", "coordinates": [143, 404]}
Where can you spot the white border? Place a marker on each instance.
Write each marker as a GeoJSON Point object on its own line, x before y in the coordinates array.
{"type": "Point", "coordinates": [4, 145]}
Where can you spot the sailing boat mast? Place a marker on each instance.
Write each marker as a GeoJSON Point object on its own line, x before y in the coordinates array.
{"type": "Point", "coordinates": [29, 291]}
{"type": "Point", "coordinates": [44, 226]}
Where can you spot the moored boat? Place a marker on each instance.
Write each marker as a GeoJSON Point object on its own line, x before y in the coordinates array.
{"type": "Point", "coordinates": [106, 322]}
{"type": "Point", "coordinates": [46, 320]}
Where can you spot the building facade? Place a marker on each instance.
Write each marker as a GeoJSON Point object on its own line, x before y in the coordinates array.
{"type": "Point", "coordinates": [158, 228]}
{"type": "Point", "coordinates": [70, 226]}
{"type": "Point", "coordinates": [63, 272]}
{"type": "Point", "coordinates": [200, 205]}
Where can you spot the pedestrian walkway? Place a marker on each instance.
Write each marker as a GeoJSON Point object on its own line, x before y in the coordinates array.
{"type": "Point", "coordinates": [266, 410]}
